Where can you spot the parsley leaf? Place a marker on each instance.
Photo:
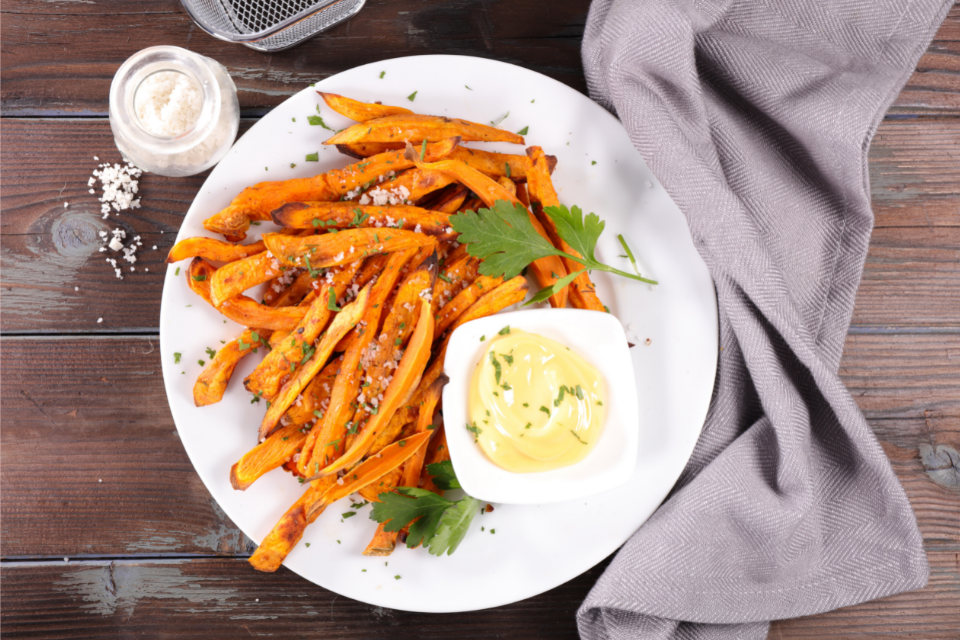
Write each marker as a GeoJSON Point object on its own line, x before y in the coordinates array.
{"type": "Point", "coordinates": [525, 130]}
{"type": "Point", "coordinates": [580, 232]}
{"type": "Point", "coordinates": [453, 526]}
{"type": "Point", "coordinates": [317, 120]}
{"type": "Point", "coordinates": [412, 96]}
{"type": "Point", "coordinates": [313, 157]}
{"type": "Point", "coordinates": [505, 239]}
{"type": "Point", "coordinates": [443, 475]}
{"type": "Point", "coordinates": [332, 301]}
{"type": "Point", "coordinates": [397, 510]}
{"type": "Point", "coordinates": [176, 357]}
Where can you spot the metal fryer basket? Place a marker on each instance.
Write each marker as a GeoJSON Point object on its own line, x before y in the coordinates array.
{"type": "Point", "coordinates": [269, 25]}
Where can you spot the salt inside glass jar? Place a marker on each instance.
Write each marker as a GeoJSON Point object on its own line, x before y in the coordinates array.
{"type": "Point", "coordinates": [172, 111]}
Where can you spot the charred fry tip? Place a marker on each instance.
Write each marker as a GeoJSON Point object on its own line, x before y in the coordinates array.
{"type": "Point", "coordinates": [277, 215]}
{"type": "Point", "coordinates": [348, 151]}
{"type": "Point", "coordinates": [235, 480]}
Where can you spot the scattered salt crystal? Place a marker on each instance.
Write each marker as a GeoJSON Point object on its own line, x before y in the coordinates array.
{"type": "Point", "coordinates": [99, 320]}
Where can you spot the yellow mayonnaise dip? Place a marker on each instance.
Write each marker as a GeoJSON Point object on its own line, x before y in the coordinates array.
{"type": "Point", "coordinates": [535, 405]}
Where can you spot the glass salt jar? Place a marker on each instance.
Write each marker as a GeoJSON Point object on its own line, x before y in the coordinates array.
{"type": "Point", "coordinates": [173, 112]}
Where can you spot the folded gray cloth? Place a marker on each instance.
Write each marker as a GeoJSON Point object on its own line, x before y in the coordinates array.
{"type": "Point", "coordinates": [756, 116]}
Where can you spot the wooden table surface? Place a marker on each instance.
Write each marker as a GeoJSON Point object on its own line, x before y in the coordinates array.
{"type": "Point", "coordinates": [92, 469]}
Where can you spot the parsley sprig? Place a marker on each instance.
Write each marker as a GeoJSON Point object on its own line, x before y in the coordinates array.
{"type": "Point", "coordinates": [504, 238]}
{"type": "Point", "coordinates": [440, 525]}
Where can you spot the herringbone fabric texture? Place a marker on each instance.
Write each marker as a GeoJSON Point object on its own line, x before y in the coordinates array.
{"type": "Point", "coordinates": [756, 116]}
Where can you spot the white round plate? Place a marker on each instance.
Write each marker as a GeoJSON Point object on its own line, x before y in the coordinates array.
{"type": "Point", "coordinates": [674, 326]}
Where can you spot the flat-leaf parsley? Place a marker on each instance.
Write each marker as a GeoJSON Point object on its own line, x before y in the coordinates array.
{"type": "Point", "coordinates": [505, 239]}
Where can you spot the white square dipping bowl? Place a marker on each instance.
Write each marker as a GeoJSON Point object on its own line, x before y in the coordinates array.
{"type": "Point", "coordinates": [599, 339]}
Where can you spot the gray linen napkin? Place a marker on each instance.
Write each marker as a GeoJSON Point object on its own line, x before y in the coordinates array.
{"type": "Point", "coordinates": [756, 116]}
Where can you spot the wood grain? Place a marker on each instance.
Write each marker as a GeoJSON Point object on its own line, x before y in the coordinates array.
{"type": "Point", "coordinates": [545, 37]}
{"type": "Point", "coordinates": [224, 598]}
{"type": "Point", "coordinates": [91, 461]}
{"type": "Point", "coordinates": [39, 80]}
{"type": "Point", "coordinates": [912, 276]}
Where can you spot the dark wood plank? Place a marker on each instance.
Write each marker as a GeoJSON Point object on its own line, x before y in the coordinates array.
{"type": "Point", "coordinates": [69, 402]}
{"type": "Point", "coordinates": [912, 276]}
{"type": "Point", "coordinates": [223, 598]}
{"type": "Point", "coordinates": [915, 173]}
{"type": "Point", "coordinates": [931, 613]}
{"type": "Point", "coordinates": [541, 36]}
{"type": "Point", "coordinates": [934, 85]}
{"type": "Point", "coordinates": [91, 461]}
{"type": "Point", "coordinates": [39, 80]}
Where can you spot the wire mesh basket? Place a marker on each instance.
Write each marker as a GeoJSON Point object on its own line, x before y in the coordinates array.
{"type": "Point", "coordinates": [269, 25]}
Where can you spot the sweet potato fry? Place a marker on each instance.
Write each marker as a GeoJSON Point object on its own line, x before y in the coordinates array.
{"type": "Point", "coordinates": [332, 249]}
{"type": "Point", "coordinates": [234, 278]}
{"type": "Point", "coordinates": [342, 215]}
{"type": "Point", "coordinates": [472, 203]}
{"type": "Point", "coordinates": [288, 531]}
{"type": "Point", "coordinates": [213, 249]}
{"type": "Point", "coordinates": [452, 280]}
{"type": "Point", "coordinates": [386, 349]}
{"type": "Point", "coordinates": [411, 186]}
{"type": "Point", "coordinates": [384, 542]}
{"type": "Point", "coordinates": [487, 162]}
{"type": "Point", "coordinates": [452, 203]}
{"type": "Point", "coordinates": [324, 441]}
{"type": "Point", "coordinates": [281, 291]}
{"type": "Point", "coordinates": [256, 202]}
{"type": "Point", "coordinates": [242, 309]}
{"type": "Point", "coordinates": [366, 149]}
{"type": "Point", "coordinates": [546, 270]}
{"type": "Point", "coordinates": [404, 381]}
{"type": "Point", "coordinates": [281, 363]}
{"type": "Point", "coordinates": [415, 128]}
{"type": "Point", "coordinates": [370, 470]}
{"type": "Point", "coordinates": [209, 387]}
{"type": "Point", "coordinates": [495, 300]}
{"type": "Point", "coordinates": [342, 323]}
{"type": "Point", "coordinates": [266, 456]}
{"type": "Point", "coordinates": [495, 164]}
{"type": "Point", "coordinates": [508, 185]}
{"type": "Point", "coordinates": [373, 490]}
{"type": "Point", "coordinates": [315, 397]}
{"type": "Point", "coordinates": [436, 452]}
{"type": "Point", "coordinates": [522, 194]}
{"type": "Point", "coordinates": [360, 111]}
{"type": "Point", "coordinates": [393, 270]}
{"type": "Point", "coordinates": [291, 295]}
{"type": "Point", "coordinates": [542, 194]}
{"type": "Point", "coordinates": [451, 311]}
{"type": "Point", "coordinates": [250, 313]}
{"type": "Point", "coordinates": [510, 292]}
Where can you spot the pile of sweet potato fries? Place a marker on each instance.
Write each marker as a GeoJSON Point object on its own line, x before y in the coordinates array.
{"type": "Point", "coordinates": [366, 282]}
